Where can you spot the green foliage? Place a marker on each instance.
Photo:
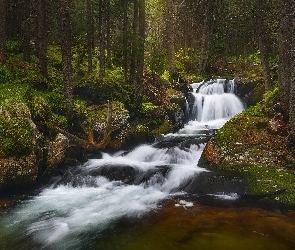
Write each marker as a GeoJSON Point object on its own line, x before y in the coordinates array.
{"type": "Point", "coordinates": [40, 108]}
{"type": "Point", "coordinates": [155, 59]}
{"type": "Point", "coordinates": [111, 87]}
{"type": "Point", "coordinates": [54, 56]}
{"type": "Point", "coordinates": [79, 58]}
{"type": "Point", "coordinates": [59, 121]}
{"type": "Point", "coordinates": [166, 76]}
{"type": "Point", "coordinates": [14, 46]}
{"type": "Point", "coordinates": [148, 108]}
{"type": "Point", "coordinates": [56, 100]}
{"type": "Point", "coordinates": [16, 136]}
{"type": "Point", "coordinates": [6, 75]}
{"type": "Point", "coordinates": [186, 60]}
{"type": "Point", "coordinates": [10, 93]}
{"type": "Point", "coordinates": [80, 107]}
{"type": "Point", "coordinates": [254, 110]}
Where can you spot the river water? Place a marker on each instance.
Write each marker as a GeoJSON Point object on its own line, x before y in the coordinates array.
{"type": "Point", "coordinates": [152, 197]}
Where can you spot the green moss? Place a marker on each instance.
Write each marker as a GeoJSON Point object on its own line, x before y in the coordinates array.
{"type": "Point", "coordinates": [10, 93]}
{"type": "Point", "coordinates": [54, 56]}
{"type": "Point", "coordinates": [6, 75]}
{"type": "Point", "coordinates": [16, 136]}
{"type": "Point", "coordinates": [148, 108]}
{"type": "Point", "coordinates": [164, 128]}
{"type": "Point", "coordinates": [279, 183]}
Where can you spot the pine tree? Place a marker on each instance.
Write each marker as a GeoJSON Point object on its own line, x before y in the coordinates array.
{"type": "Point", "coordinates": [2, 31]}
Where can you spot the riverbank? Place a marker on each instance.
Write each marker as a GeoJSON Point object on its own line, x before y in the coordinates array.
{"type": "Point", "coordinates": [257, 145]}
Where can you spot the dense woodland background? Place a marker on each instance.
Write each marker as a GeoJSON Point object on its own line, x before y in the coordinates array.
{"type": "Point", "coordinates": [101, 39]}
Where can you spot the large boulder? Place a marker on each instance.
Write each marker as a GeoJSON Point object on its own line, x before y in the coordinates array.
{"type": "Point", "coordinates": [24, 155]}
{"type": "Point", "coordinates": [56, 153]}
{"type": "Point", "coordinates": [251, 92]}
{"type": "Point", "coordinates": [256, 144]}
{"type": "Point", "coordinates": [100, 117]}
{"type": "Point", "coordinates": [19, 141]}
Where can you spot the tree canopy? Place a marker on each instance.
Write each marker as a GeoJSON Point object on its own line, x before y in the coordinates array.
{"type": "Point", "coordinates": [190, 38]}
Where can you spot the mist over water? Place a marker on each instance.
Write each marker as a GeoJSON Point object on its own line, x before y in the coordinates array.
{"type": "Point", "coordinates": [78, 207]}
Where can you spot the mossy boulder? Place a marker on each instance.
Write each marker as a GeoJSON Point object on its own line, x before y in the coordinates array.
{"type": "Point", "coordinates": [256, 144]}
{"type": "Point", "coordinates": [19, 138]}
{"type": "Point", "coordinates": [25, 154]}
{"type": "Point", "coordinates": [250, 91]}
{"type": "Point", "coordinates": [56, 153]}
{"type": "Point", "coordinates": [100, 118]}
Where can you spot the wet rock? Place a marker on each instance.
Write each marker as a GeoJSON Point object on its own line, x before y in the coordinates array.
{"type": "Point", "coordinates": [216, 182]}
{"type": "Point", "coordinates": [251, 92]}
{"type": "Point", "coordinates": [56, 153]}
{"type": "Point", "coordinates": [18, 173]}
{"type": "Point", "coordinates": [256, 144]}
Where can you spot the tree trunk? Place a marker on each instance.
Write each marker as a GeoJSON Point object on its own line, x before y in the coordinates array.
{"type": "Point", "coordinates": [169, 17]}
{"type": "Point", "coordinates": [125, 40]}
{"type": "Point", "coordinates": [108, 34]}
{"type": "Point", "coordinates": [26, 30]}
{"type": "Point", "coordinates": [89, 18]}
{"type": "Point", "coordinates": [40, 37]}
{"type": "Point", "coordinates": [292, 80]}
{"type": "Point", "coordinates": [284, 63]}
{"type": "Point", "coordinates": [263, 44]}
{"type": "Point", "coordinates": [140, 64]}
{"type": "Point", "coordinates": [2, 31]}
{"type": "Point", "coordinates": [206, 37]}
{"type": "Point", "coordinates": [67, 58]}
{"type": "Point", "coordinates": [134, 52]}
{"type": "Point", "coordinates": [102, 37]}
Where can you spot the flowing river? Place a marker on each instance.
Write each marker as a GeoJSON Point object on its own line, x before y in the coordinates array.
{"type": "Point", "coordinates": [152, 197]}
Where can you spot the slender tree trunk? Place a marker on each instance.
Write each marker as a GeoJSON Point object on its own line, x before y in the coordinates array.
{"type": "Point", "coordinates": [108, 33]}
{"type": "Point", "coordinates": [284, 63]}
{"type": "Point", "coordinates": [125, 40]}
{"type": "Point", "coordinates": [102, 37]}
{"type": "Point", "coordinates": [140, 64]}
{"type": "Point", "coordinates": [292, 81]}
{"type": "Point", "coordinates": [67, 58]}
{"type": "Point", "coordinates": [206, 36]}
{"type": "Point", "coordinates": [134, 52]}
{"type": "Point", "coordinates": [2, 31]}
{"type": "Point", "coordinates": [40, 37]}
{"type": "Point", "coordinates": [26, 30]}
{"type": "Point", "coordinates": [170, 23]}
{"type": "Point", "coordinates": [263, 44]}
{"type": "Point", "coordinates": [89, 18]}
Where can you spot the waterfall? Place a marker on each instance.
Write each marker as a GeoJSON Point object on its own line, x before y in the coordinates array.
{"type": "Point", "coordinates": [75, 210]}
{"type": "Point", "coordinates": [215, 99]}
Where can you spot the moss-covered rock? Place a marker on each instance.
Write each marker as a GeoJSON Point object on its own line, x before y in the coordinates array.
{"type": "Point", "coordinates": [100, 118]}
{"type": "Point", "coordinates": [251, 92]}
{"type": "Point", "coordinates": [256, 143]}
{"type": "Point", "coordinates": [56, 153]}
{"type": "Point", "coordinates": [18, 138]}
{"type": "Point", "coordinates": [18, 172]}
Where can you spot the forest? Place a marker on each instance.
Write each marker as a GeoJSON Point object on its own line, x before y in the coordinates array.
{"type": "Point", "coordinates": [111, 73]}
{"type": "Point", "coordinates": [155, 124]}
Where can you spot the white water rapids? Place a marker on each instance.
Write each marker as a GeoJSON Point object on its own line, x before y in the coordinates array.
{"type": "Point", "coordinates": [90, 199]}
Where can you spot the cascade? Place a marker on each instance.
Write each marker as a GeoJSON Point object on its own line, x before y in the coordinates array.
{"type": "Point", "coordinates": [215, 99]}
{"type": "Point", "coordinates": [75, 209]}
